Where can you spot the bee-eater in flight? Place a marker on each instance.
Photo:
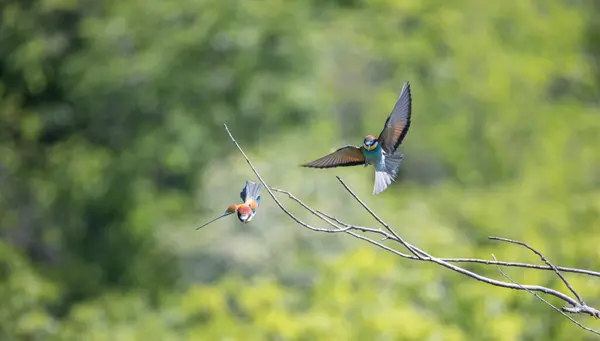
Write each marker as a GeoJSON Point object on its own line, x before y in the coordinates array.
{"type": "Point", "coordinates": [380, 151]}
{"type": "Point", "coordinates": [247, 209]}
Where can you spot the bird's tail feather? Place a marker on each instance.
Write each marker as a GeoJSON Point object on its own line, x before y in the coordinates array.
{"type": "Point", "coordinates": [385, 176]}
{"type": "Point", "coordinates": [251, 190]}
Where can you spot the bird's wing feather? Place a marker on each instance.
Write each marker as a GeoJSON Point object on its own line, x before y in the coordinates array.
{"type": "Point", "coordinates": [251, 191]}
{"type": "Point", "coordinates": [397, 124]}
{"type": "Point", "coordinates": [345, 156]}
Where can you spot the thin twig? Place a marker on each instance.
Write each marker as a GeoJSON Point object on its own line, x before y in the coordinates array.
{"type": "Point", "coordinates": [470, 273]}
{"type": "Point", "coordinates": [347, 228]}
{"type": "Point", "coordinates": [543, 300]}
{"type": "Point", "coordinates": [575, 309]}
{"type": "Point", "coordinates": [458, 260]}
{"type": "Point", "coordinates": [290, 214]}
{"type": "Point", "coordinates": [545, 261]}
{"type": "Point", "coordinates": [362, 228]}
{"type": "Point", "coordinates": [418, 253]}
{"type": "Point", "coordinates": [522, 265]}
{"type": "Point", "coordinates": [446, 264]}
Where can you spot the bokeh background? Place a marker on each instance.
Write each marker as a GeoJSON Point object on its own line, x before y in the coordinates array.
{"type": "Point", "coordinates": [112, 150]}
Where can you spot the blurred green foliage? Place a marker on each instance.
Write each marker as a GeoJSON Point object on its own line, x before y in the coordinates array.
{"type": "Point", "coordinates": [112, 149]}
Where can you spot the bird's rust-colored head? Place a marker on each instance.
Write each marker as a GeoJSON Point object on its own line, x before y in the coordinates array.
{"type": "Point", "coordinates": [245, 214]}
{"type": "Point", "coordinates": [370, 142]}
{"type": "Point", "coordinates": [231, 209]}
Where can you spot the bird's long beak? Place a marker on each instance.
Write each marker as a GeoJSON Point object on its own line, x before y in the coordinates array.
{"type": "Point", "coordinates": [217, 218]}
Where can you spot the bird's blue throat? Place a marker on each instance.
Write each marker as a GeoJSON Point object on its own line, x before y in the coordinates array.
{"type": "Point", "coordinates": [372, 155]}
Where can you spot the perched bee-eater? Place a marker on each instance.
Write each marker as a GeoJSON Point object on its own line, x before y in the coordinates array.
{"type": "Point", "coordinates": [247, 209]}
{"type": "Point", "coordinates": [380, 151]}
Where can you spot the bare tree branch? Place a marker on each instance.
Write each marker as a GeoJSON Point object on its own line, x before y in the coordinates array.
{"type": "Point", "coordinates": [460, 260]}
{"type": "Point", "coordinates": [411, 248]}
{"type": "Point", "coordinates": [577, 306]}
{"type": "Point", "coordinates": [580, 308]}
{"type": "Point", "coordinates": [347, 228]}
{"type": "Point", "coordinates": [268, 188]}
{"type": "Point", "coordinates": [522, 265]}
{"type": "Point", "coordinates": [548, 303]}
{"type": "Point", "coordinates": [477, 276]}
{"type": "Point", "coordinates": [545, 261]}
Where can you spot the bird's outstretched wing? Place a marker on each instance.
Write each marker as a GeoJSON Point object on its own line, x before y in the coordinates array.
{"type": "Point", "coordinates": [345, 156]}
{"type": "Point", "coordinates": [397, 124]}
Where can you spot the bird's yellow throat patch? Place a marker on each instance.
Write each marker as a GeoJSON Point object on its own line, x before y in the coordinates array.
{"type": "Point", "coordinates": [373, 146]}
